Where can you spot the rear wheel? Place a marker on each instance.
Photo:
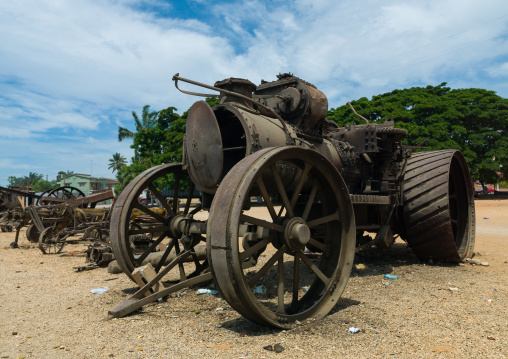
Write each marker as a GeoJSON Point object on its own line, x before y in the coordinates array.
{"type": "Point", "coordinates": [439, 215]}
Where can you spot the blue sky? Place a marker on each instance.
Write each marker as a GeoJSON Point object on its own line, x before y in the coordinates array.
{"type": "Point", "coordinates": [71, 72]}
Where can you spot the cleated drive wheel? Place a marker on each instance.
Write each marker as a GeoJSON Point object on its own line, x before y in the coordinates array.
{"type": "Point", "coordinates": [438, 209]}
{"type": "Point", "coordinates": [141, 234]}
{"type": "Point", "coordinates": [259, 249]}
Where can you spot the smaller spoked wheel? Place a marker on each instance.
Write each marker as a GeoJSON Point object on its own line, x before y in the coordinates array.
{"type": "Point", "coordinates": [67, 192]}
{"type": "Point", "coordinates": [159, 235]}
{"type": "Point", "coordinates": [50, 242]}
{"type": "Point", "coordinates": [281, 236]}
{"type": "Point", "coordinates": [32, 234]}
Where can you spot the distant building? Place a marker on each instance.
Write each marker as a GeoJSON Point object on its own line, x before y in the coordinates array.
{"type": "Point", "coordinates": [87, 183]}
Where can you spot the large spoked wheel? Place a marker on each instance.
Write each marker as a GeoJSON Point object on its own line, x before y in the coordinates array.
{"type": "Point", "coordinates": [50, 242]}
{"type": "Point", "coordinates": [439, 213]}
{"type": "Point", "coordinates": [159, 234]}
{"type": "Point", "coordinates": [271, 210]}
{"type": "Point", "coordinates": [67, 192]}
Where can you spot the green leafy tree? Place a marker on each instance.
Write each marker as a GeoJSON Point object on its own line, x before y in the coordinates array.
{"type": "Point", "coordinates": [117, 162]}
{"type": "Point", "coordinates": [43, 185]}
{"type": "Point", "coordinates": [25, 181]}
{"type": "Point", "coordinates": [474, 121]}
{"type": "Point", "coordinates": [160, 142]}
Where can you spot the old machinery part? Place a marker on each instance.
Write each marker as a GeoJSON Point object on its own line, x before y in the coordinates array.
{"type": "Point", "coordinates": [296, 101]}
{"type": "Point", "coordinates": [204, 147]}
{"type": "Point", "coordinates": [170, 232]}
{"type": "Point", "coordinates": [50, 242]}
{"type": "Point", "coordinates": [252, 245]}
{"type": "Point", "coordinates": [68, 192]}
{"type": "Point", "coordinates": [32, 233]}
{"type": "Point", "coordinates": [439, 214]}
{"type": "Point", "coordinates": [4, 198]}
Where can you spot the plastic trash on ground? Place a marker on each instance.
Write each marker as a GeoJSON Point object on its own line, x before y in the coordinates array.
{"type": "Point", "coordinates": [207, 291]}
{"type": "Point", "coordinates": [260, 289]}
{"type": "Point", "coordinates": [100, 290]}
{"type": "Point", "coordinates": [391, 276]}
{"type": "Point", "coordinates": [354, 330]}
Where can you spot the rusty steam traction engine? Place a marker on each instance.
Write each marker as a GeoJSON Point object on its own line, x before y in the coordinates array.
{"type": "Point", "coordinates": [286, 198]}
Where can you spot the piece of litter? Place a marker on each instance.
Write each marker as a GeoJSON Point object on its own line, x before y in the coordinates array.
{"type": "Point", "coordinates": [219, 309]}
{"type": "Point", "coordinates": [207, 291]}
{"type": "Point", "coordinates": [99, 290]}
{"type": "Point", "coordinates": [260, 289]}
{"type": "Point", "coordinates": [454, 289]}
{"type": "Point", "coordinates": [274, 348]}
{"type": "Point", "coordinates": [354, 330]}
{"type": "Point", "coordinates": [305, 289]}
{"type": "Point", "coordinates": [361, 266]}
{"type": "Point", "coordinates": [391, 276]}
{"type": "Point", "coordinates": [485, 218]}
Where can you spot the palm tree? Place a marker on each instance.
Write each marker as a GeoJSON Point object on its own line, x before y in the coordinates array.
{"type": "Point", "coordinates": [117, 162]}
{"type": "Point", "coordinates": [148, 120]}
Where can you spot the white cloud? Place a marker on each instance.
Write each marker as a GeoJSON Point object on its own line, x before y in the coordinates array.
{"type": "Point", "coordinates": [78, 68]}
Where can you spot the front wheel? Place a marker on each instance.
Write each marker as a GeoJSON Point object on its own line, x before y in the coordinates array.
{"type": "Point", "coordinates": [270, 209]}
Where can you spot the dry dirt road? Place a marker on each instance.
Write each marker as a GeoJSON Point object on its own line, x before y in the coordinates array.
{"type": "Point", "coordinates": [48, 311]}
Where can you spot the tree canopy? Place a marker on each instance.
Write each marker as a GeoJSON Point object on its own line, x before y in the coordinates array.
{"type": "Point", "coordinates": [474, 121]}
{"type": "Point", "coordinates": [34, 181]}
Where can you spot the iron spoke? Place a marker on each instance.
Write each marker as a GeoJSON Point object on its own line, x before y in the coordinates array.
{"type": "Point", "coordinates": [330, 218]}
{"type": "Point", "coordinates": [266, 267]}
{"type": "Point", "coordinates": [158, 195]}
{"type": "Point", "coordinates": [315, 269]}
{"type": "Point", "coordinates": [262, 223]}
{"type": "Point", "coordinates": [309, 203]}
{"type": "Point", "coordinates": [282, 191]}
{"type": "Point", "coordinates": [148, 211]}
{"type": "Point", "coordinates": [176, 189]}
{"type": "Point", "coordinates": [266, 198]}
{"type": "Point", "coordinates": [180, 264]}
{"type": "Point", "coordinates": [254, 249]}
{"type": "Point", "coordinates": [172, 244]}
{"type": "Point", "coordinates": [317, 244]}
{"type": "Point", "coordinates": [305, 173]}
{"type": "Point", "coordinates": [150, 249]}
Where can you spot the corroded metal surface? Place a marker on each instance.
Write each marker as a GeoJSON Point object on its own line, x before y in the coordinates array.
{"type": "Point", "coordinates": [271, 148]}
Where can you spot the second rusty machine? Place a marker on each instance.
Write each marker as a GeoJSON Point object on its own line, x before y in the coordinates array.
{"type": "Point", "coordinates": [286, 199]}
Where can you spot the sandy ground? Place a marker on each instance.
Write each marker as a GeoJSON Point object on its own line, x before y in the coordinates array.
{"type": "Point", "coordinates": [48, 311]}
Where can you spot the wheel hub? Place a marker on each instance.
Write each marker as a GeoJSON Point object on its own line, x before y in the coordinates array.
{"type": "Point", "coordinates": [296, 234]}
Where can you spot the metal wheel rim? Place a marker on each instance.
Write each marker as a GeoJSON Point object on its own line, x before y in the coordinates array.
{"type": "Point", "coordinates": [50, 243]}
{"type": "Point", "coordinates": [226, 255]}
{"type": "Point", "coordinates": [60, 192]}
{"type": "Point", "coordinates": [121, 228]}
